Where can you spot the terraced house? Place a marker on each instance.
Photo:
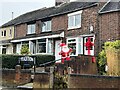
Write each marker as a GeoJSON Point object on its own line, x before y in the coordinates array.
{"type": "Point", "coordinates": [72, 22]}
{"type": "Point", "coordinates": [6, 34]}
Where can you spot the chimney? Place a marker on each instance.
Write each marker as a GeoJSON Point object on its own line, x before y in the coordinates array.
{"type": "Point", "coordinates": [58, 2]}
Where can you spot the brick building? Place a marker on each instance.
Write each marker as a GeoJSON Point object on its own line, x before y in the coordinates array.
{"type": "Point", "coordinates": [72, 22]}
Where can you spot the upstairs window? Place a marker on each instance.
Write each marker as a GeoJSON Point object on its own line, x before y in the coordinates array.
{"type": "Point", "coordinates": [74, 20]}
{"type": "Point", "coordinates": [3, 33]}
{"type": "Point", "coordinates": [46, 26]}
{"type": "Point", "coordinates": [31, 29]}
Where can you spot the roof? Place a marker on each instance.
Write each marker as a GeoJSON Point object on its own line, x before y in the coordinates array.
{"type": "Point", "coordinates": [110, 7]}
{"type": "Point", "coordinates": [49, 12]}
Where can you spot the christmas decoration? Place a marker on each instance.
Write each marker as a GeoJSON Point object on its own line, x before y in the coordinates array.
{"type": "Point", "coordinates": [65, 52]}
{"type": "Point", "coordinates": [93, 60]}
{"type": "Point", "coordinates": [88, 45]}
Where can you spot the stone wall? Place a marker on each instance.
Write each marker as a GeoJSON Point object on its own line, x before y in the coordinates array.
{"type": "Point", "coordinates": [93, 81]}
{"type": "Point", "coordinates": [113, 61]}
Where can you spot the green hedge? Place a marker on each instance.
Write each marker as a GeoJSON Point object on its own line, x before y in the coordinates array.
{"type": "Point", "coordinates": [10, 61]}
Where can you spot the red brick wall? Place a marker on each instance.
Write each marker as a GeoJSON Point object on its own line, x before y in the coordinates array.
{"type": "Point", "coordinates": [11, 78]}
{"type": "Point", "coordinates": [90, 81]}
{"type": "Point", "coordinates": [21, 30]}
{"type": "Point", "coordinates": [109, 27]}
{"type": "Point", "coordinates": [41, 80]}
{"type": "Point", "coordinates": [80, 64]}
{"type": "Point", "coordinates": [88, 16]}
{"type": "Point", "coordinates": [59, 23]}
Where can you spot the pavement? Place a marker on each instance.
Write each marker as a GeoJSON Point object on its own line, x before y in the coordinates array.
{"type": "Point", "coordinates": [26, 86]}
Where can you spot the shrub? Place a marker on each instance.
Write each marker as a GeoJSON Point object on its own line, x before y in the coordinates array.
{"type": "Point", "coordinates": [10, 61]}
{"type": "Point", "coordinates": [115, 44]}
{"type": "Point", "coordinates": [101, 61]}
{"type": "Point", "coordinates": [25, 49]}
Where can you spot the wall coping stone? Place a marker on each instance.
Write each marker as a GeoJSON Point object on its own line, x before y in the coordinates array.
{"type": "Point", "coordinates": [95, 76]}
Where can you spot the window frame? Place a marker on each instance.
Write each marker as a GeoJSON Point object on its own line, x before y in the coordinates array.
{"type": "Point", "coordinates": [3, 33]}
{"type": "Point", "coordinates": [47, 40]}
{"type": "Point", "coordinates": [76, 41]}
{"type": "Point", "coordinates": [74, 19]}
{"type": "Point", "coordinates": [46, 22]}
{"type": "Point", "coordinates": [10, 32]}
{"type": "Point", "coordinates": [31, 31]}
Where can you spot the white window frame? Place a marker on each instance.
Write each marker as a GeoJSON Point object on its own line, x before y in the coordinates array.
{"type": "Point", "coordinates": [86, 51]}
{"type": "Point", "coordinates": [18, 49]}
{"type": "Point", "coordinates": [46, 22]}
{"type": "Point", "coordinates": [10, 32]}
{"type": "Point", "coordinates": [31, 30]}
{"type": "Point", "coordinates": [46, 47]}
{"type": "Point", "coordinates": [76, 41]}
{"type": "Point", "coordinates": [73, 14]}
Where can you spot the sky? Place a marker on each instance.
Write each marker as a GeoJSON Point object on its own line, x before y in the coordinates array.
{"type": "Point", "coordinates": [19, 7]}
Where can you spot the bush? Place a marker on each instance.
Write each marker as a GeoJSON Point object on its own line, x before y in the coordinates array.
{"type": "Point", "coordinates": [101, 61]}
{"type": "Point", "coordinates": [115, 44]}
{"type": "Point", "coordinates": [10, 61]}
{"type": "Point", "coordinates": [25, 49]}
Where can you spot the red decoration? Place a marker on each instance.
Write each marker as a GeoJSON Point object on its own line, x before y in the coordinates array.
{"type": "Point", "coordinates": [89, 44]}
{"type": "Point", "coordinates": [65, 52]}
{"type": "Point", "coordinates": [93, 60]}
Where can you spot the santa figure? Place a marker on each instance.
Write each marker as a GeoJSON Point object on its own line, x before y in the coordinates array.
{"type": "Point", "coordinates": [65, 52]}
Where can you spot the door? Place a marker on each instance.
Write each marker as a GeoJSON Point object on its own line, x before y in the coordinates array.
{"type": "Point", "coordinates": [91, 50]}
{"type": "Point", "coordinates": [57, 50]}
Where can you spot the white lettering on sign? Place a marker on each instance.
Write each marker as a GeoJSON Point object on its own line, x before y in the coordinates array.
{"type": "Point", "coordinates": [26, 58]}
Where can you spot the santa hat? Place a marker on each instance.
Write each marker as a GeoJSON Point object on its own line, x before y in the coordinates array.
{"type": "Point", "coordinates": [62, 44]}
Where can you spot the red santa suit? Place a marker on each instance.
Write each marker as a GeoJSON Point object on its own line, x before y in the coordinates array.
{"type": "Point", "coordinates": [65, 52]}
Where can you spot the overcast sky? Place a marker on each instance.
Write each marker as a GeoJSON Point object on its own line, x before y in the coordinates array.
{"type": "Point", "coordinates": [19, 7]}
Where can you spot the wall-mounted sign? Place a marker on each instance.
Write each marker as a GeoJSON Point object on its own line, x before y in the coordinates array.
{"type": "Point", "coordinates": [26, 58]}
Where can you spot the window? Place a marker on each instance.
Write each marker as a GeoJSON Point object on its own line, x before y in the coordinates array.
{"type": "Point", "coordinates": [46, 26]}
{"type": "Point", "coordinates": [18, 48]}
{"type": "Point", "coordinates": [76, 44]}
{"type": "Point", "coordinates": [4, 49]}
{"type": "Point", "coordinates": [3, 33]}
{"type": "Point", "coordinates": [41, 46]}
{"type": "Point", "coordinates": [72, 43]}
{"type": "Point", "coordinates": [31, 29]}
{"type": "Point", "coordinates": [74, 20]}
{"type": "Point", "coordinates": [50, 46]}
{"type": "Point", "coordinates": [91, 49]}
{"type": "Point", "coordinates": [45, 46]}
